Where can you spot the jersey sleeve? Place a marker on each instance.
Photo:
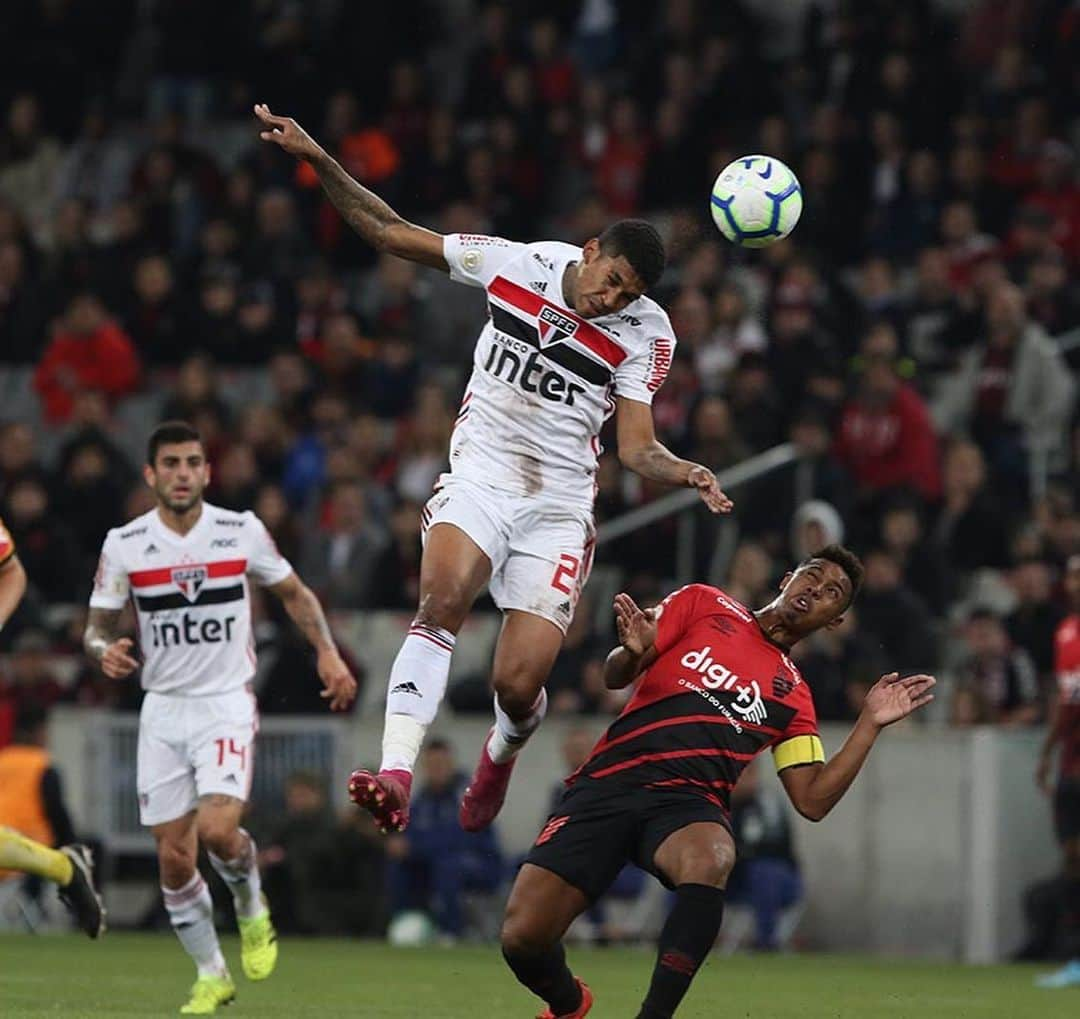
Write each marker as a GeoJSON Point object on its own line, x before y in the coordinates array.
{"type": "Point", "coordinates": [475, 259]}
{"type": "Point", "coordinates": [7, 544]}
{"type": "Point", "coordinates": [640, 376]}
{"type": "Point", "coordinates": [266, 565]}
{"type": "Point", "coordinates": [675, 615]}
{"type": "Point", "coordinates": [112, 584]}
{"type": "Point", "coordinates": [800, 743]}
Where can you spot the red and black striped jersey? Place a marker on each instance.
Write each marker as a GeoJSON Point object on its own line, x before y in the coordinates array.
{"type": "Point", "coordinates": [1067, 670]}
{"type": "Point", "coordinates": [719, 693]}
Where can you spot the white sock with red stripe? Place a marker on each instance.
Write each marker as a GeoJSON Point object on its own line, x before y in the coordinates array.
{"type": "Point", "coordinates": [242, 877]}
{"type": "Point", "coordinates": [508, 736]}
{"type": "Point", "coordinates": [191, 913]}
{"type": "Point", "coordinates": [416, 688]}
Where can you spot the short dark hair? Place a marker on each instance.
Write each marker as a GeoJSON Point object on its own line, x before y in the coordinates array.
{"type": "Point", "coordinates": [640, 244]}
{"type": "Point", "coordinates": [847, 560]}
{"type": "Point", "coordinates": [168, 433]}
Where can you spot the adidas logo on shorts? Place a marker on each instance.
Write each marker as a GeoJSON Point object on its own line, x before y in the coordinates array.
{"type": "Point", "coordinates": [407, 687]}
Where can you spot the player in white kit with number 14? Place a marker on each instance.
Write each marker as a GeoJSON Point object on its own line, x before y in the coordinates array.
{"type": "Point", "coordinates": [570, 339]}
{"type": "Point", "coordinates": [186, 567]}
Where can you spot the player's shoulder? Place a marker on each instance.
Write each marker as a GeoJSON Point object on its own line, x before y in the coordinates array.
{"type": "Point", "coordinates": [128, 535]}
{"type": "Point", "coordinates": [704, 599]}
{"type": "Point", "coordinates": [227, 519]}
{"type": "Point", "coordinates": [550, 254]}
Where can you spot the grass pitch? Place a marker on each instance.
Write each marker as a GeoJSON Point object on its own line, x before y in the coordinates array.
{"type": "Point", "coordinates": [148, 975]}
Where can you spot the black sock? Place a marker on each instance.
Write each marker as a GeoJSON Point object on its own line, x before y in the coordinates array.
{"type": "Point", "coordinates": [548, 977]}
{"type": "Point", "coordinates": [1070, 918]}
{"type": "Point", "coordinates": [685, 941]}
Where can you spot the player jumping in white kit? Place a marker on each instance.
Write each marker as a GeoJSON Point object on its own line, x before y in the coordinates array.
{"type": "Point", "coordinates": [570, 339]}
{"type": "Point", "coordinates": [186, 566]}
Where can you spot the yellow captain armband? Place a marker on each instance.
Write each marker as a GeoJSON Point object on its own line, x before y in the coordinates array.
{"type": "Point", "coordinates": [798, 750]}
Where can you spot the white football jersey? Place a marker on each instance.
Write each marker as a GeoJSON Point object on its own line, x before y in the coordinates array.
{"type": "Point", "coordinates": [190, 594]}
{"type": "Point", "coordinates": [544, 379]}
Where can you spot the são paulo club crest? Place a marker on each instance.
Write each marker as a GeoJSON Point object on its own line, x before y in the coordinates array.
{"type": "Point", "coordinates": [190, 580]}
{"type": "Point", "coordinates": [554, 327]}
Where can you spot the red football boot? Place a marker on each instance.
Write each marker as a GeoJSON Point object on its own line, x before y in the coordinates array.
{"type": "Point", "coordinates": [582, 1009]}
{"type": "Point", "coordinates": [384, 795]}
{"type": "Point", "coordinates": [484, 795]}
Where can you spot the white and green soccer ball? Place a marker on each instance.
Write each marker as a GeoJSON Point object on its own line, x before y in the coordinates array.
{"type": "Point", "coordinates": [410, 929]}
{"type": "Point", "coordinates": [756, 201]}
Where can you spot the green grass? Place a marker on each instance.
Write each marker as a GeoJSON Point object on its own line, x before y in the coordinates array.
{"type": "Point", "coordinates": [148, 975]}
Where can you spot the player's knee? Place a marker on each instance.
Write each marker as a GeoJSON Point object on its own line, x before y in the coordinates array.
{"type": "Point", "coordinates": [519, 937]}
{"type": "Point", "coordinates": [517, 685]}
{"type": "Point", "coordinates": [218, 835]}
{"type": "Point", "coordinates": [709, 865]}
{"type": "Point", "coordinates": [445, 607]}
{"type": "Point", "coordinates": [176, 861]}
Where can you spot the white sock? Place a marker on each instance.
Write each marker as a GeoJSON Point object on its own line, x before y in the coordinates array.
{"type": "Point", "coordinates": [192, 916]}
{"type": "Point", "coordinates": [414, 693]}
{"type": "Point", "coordinates": [242, 876]}
{"type": "Point", "coordinates": [508, 736]}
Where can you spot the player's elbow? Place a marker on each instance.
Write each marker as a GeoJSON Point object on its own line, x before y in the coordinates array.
{"type": "Point", "coordinates": [631, 457]}
{"type": "Point", "coordinates": [810, 809]}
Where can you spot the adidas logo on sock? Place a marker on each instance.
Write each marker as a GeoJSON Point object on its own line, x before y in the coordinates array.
{"type": "Point", "coordinates": [407, 687]}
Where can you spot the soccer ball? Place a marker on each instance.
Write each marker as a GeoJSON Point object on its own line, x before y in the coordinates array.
{"type": "Point", "coordinates": [756, 201]}
{"type": "Point", "coordinates": [410, 930]}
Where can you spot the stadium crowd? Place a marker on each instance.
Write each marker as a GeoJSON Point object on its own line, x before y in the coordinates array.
{"type": "Point", "coordinates": [915, 338]}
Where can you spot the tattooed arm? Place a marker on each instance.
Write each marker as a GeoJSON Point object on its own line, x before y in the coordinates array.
{"type": "Point", "coordinates": [304, 609]}
{"type": "Point", "coordinates": [363, 210]}
{"type": "Point", "coordinates": [112, 653]}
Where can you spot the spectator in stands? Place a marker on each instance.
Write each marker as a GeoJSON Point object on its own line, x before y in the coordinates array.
{"type": "Point", "coordinates": [815, 525]}
{"type": "Point", "coordinates": [29, 161]}
{"type": "Point", "coordinates": [766, 875]}
{"type": "Point", "coordinates": [969, 529]}
{"type": "Point", "coordinates": [434, 863]}
{"type": "Point", "coordinates": [840, 665]}
{"type": "Point", "coordinates": [340, 562]}
{"type": "Point", "coordinates": [398, 569]}
{"type": "Point", "coordinates": [310, 866]}
{"type": "Point", "coordinates": [886, 439]}
{"type": "Point", "coordinates": [904, 535]}
{"type": "Point", "coordinates": [21, 311]}
{"type": "Point", "coordinates": [88, 351]}
{"type": "Point", "coordinates": [1002, 676]}
{"type": "Point", "coordinates": [1032, 623]}
{"type": "Point", "coordinates": [28, 680]}
{"type": "Point", "coordinates": [46, 544]}
{"type": "Point", "coordinates": [1013, 394]}
{"type": "Point", "coordinates": [894, 616]}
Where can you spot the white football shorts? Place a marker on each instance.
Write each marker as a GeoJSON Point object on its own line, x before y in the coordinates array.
{"type": "Point", "coordinates": [540, 550]}
{"type": "Point", "coordinates": [191, 747]}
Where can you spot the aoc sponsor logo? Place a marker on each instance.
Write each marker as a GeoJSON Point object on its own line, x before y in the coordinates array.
{"type": "Point", "coordinates": [715, 676]}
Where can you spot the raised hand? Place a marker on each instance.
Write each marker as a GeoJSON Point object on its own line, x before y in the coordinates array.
{"type": "Point", "coordinates": [636, 627]}
{"type": "Point", "coordinates": [709, 489]}
{"type": "Point", "coordinates": [892, 697]}
{"type": "Point", "coordinates": [335, 675]}
{"type": "Point", "coordinates": [287, 133]}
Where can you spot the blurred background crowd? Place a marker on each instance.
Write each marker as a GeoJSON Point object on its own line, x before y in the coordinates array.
{"type": "Point", "coordinates": [915, 338]}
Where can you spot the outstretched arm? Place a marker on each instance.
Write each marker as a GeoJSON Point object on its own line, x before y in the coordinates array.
{"type": "Point", "coordinates": [814, 789]}
{"type": "Point", "coordinates": [644, 454]}
{"type": "Point", "coordinates": [362, 209]}
{"type": "Point", "coordinates": [304, 609]}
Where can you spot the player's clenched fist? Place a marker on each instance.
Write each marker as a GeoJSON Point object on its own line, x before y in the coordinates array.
{"type": "Point", "coordinates": [117, 661]}
{"type": "Point", "coordinates": [287, 133]}
{"type": "Point", "coordinates": [637, 627]}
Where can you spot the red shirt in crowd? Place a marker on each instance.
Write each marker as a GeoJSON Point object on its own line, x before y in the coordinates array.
{"type": "Point", "coordinates": [891, 446]}
{"type": "Point", "coordinates": [104, 360]}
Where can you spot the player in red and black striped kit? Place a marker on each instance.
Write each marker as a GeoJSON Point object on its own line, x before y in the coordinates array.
{"type": "Point", "coordinates": [1064, 729]}
{"type": "Point", "coordinates": [715, 687]}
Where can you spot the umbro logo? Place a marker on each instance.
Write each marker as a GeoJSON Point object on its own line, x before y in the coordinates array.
{"type": "Point", "coordinates": [539, 286]}
{"type": "Point", "coordinates": [782, 686]}
{"type": "Point", "coordinates": [407, 687]}
{"type": "Point", "coordinates": [551, 828]}
{"type": "Point", "coordinates": [151, 549]}
{"type": "Point", "coordinates": [723, 624]}
{"type": "Point", "coordinates": [230, 778]}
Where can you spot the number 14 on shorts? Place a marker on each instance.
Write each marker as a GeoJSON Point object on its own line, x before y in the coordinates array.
{"type": "Point", "coordinates": [229, 747]}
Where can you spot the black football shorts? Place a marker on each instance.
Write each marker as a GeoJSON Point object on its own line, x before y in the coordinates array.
{"type": "Point", "coordinates": [598, 827]}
